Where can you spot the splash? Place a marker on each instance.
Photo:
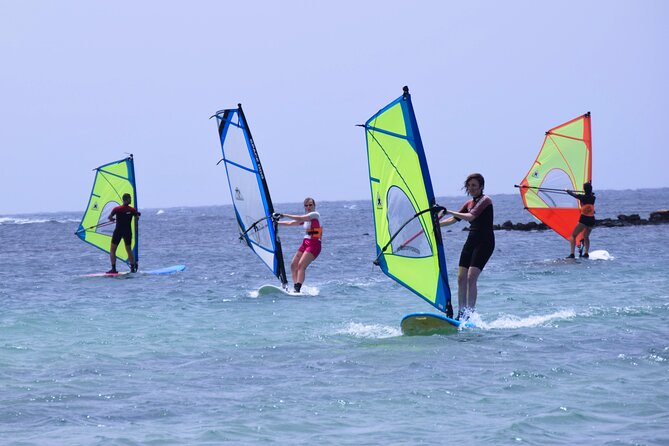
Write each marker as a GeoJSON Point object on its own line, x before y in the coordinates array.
{"type": "Point", "coordinates": [512, 322]}
{"type": "Point", "coordinates": [373, 331]}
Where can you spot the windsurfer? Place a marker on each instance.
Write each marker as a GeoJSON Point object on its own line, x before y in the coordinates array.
{"type": "Point", "coordinates": [586, 222]}
{"type": "Point", "coordinates": [311, 244]}
{"type": "Point", "coordinates": [480, 242]}
{"type": "Point", "coordinates": [123, 231]}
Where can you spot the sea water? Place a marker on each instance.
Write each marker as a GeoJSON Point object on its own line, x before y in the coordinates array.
{"type": "Point", "coordinates": [567, 351]}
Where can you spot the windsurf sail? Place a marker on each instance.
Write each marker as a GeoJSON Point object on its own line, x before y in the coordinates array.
{"type": "Point", "coordinates": [564, 162]}
{"type": "Point", "coordinates": [111, 182]}
{"type": "Point", "coordinates": [249, 191]}
{"type": "Point", "coordinates": [406, 221]}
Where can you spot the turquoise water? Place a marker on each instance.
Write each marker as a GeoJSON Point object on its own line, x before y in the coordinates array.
{"type": "Point", "coordinates": [567, 352]}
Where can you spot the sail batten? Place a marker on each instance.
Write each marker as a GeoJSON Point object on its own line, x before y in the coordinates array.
{"type": "Point", "coordinates": [564, 162]}
{"type": "Point", "coordinates": [408, 237]}
{"type": "Point", "coordinates": [249, 191]}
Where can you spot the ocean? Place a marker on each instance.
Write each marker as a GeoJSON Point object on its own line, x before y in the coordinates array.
{"type": "Point", "coordinates": [566, 352]}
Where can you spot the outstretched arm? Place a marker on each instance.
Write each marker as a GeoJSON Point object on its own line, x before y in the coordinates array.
{"type": "Point", "coordinates": [467, 216]}
{"type": "Point", "coordinates": [296, 219]}
{"type": "Point", "coordinates": [447, 221]}
{"type": "Point", "coordinates": [289, 222]}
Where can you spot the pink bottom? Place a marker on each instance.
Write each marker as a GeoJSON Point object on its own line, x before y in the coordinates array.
{"type": "Point", "coordinates": [312, 245]}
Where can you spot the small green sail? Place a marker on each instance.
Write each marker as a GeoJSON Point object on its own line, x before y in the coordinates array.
{"type": "Point", "coordinates": [111, 182]}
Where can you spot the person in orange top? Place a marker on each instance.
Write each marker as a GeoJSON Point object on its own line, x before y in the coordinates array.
{"type": "Point", "coordinates": [587, 220]}
{"type": "Point", "coordinates": [311, 244]}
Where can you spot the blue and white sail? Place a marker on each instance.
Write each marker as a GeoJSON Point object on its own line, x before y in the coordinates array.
{"type": "Point", "coordinates": [249, 191]}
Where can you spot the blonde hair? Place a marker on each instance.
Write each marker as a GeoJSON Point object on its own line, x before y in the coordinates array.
{"type": "Point", "coordinates": [306, 200]}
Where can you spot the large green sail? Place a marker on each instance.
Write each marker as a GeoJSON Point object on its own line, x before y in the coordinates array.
{"type": "Point", "coordinates": [111, 182]}
{"type": "Point", "coordinates": [408, 237]}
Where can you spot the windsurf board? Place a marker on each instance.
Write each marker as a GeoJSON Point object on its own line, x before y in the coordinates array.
{"type": "Point", "coordinates": [426, 324]}
{"type": "Point", "coordinates": [154, 272]}
{"type": "Point", "coordinates": [273, 289]}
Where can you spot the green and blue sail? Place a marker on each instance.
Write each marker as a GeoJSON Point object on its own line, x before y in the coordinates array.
{"type": "Point", "coordinates": [111, 181]}
{"type": "Point", "coordinates": [406, 217]}
{"type": "Point", "coordinates": [248, 189]}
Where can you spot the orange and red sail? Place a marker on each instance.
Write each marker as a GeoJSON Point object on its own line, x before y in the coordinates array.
{"type": "Point", "coordinates": [564, 162]}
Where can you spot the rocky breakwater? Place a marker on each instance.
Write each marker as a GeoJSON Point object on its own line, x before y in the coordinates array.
{"type": "Point", "coordinates": [655, 218]}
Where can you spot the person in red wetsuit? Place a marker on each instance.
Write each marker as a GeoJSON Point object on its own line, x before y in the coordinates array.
{"type": "Point", "coordinates": [480, 242]}
{"type": "Point", "coordinates": [311, 244]}
{"type": "Point", "coordinates": [124, 215]}
{"type": "Point", "coordinates": [586, 222]}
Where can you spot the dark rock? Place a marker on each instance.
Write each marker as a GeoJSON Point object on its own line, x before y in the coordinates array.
{"type": "Point", "coordinates": [661, 216]}
{"type": "Point", "coordinates": [657, 217]}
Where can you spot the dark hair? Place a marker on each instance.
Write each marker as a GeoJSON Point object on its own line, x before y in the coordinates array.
{"type": "Point", "coordinates": [128, 198]}
{"type": "Point", "coordinates": [475, 176]}
{"type": "Point", "coordinates": [587, 188]}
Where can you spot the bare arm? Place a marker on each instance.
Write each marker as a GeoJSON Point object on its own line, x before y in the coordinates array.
{"type": "Point", "coordinates": [290, 222]}
{"type": "Point", "coordinates": [447, 221]}
{"type": "Point", "coordinates": [467, 216]}
{"type": "Point", "coordinates": [297, 219]}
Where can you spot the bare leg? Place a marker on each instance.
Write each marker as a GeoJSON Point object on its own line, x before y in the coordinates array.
{"type": "Point", "coordinates": [112, 254]}
{"type": "Point", "coordinates": [462, 288]}
{"type": "Point", "coordinates": [586, 239]}
{"type": "Point", "coordinates": [472, 287]}
{"type": "Point", "coordinates": [572, 240]}
{"type": "Point", "coordinates": [294, 264]}
{"type": "Point", "coordinates": [131, 258]}
{"type": "Point", "coordinates": [302, 265]}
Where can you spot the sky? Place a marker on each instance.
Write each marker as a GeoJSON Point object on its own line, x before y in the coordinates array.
{"type": "Point", "coordinates": [83, 83]}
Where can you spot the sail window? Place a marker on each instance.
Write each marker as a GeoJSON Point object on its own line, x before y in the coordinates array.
{"type": "Point", "coordinates": [411, 240]}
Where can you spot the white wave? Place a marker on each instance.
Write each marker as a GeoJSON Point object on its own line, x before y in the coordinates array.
{"type": "Point", "coordinates": [160, 212]}
{"type": "Point", "coordinates": [310, 290]}
{"type": "Point", "coordinates": [374, 331]}
{"type": "Point", "coordinates": [511, 322]}
{"type": "Point", "coordinates": [28, 221]}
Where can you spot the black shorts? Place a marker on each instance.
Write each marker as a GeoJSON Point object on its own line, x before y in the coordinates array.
{"type": "Point", "coordinates": [125, 235]}
{"type": "Point", "coordinates": [477, 252]}
{"type": "Point", "coordinates": [587, 221]}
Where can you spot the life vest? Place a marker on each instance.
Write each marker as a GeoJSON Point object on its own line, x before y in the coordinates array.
{"type": "Point", "coordinates": [315, 232]}
{"type": "Point", "coordinates": [314, 229]}
{"type": "Point", "coordinates": [588, 210]}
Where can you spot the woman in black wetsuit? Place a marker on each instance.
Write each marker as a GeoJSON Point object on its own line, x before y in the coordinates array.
{"type": "Point", "coordinates": [586, 222]}
{"type": "Point", "coordinates": [479, 245]}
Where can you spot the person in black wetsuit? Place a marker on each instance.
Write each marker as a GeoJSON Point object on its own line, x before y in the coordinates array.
{"type": "Point", "coordinates": [479, 245]}
{"type": "Point", "coordinates": [123, 230]}
{"type": "Point", "coordinates": [586, 222]}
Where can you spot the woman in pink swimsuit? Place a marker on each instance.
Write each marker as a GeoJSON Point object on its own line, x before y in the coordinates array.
{"type": "Point", "coordinates": [311, 244]}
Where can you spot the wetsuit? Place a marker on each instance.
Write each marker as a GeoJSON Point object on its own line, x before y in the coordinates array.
{"type": "Point", "coordinates": [481, 239]}
{"type": "Point", "coordinates": [312, 239]}
{"type": "Point", "coordinates": [587, 208]}
{"type": "Point", "coordinates": [123, 229]}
